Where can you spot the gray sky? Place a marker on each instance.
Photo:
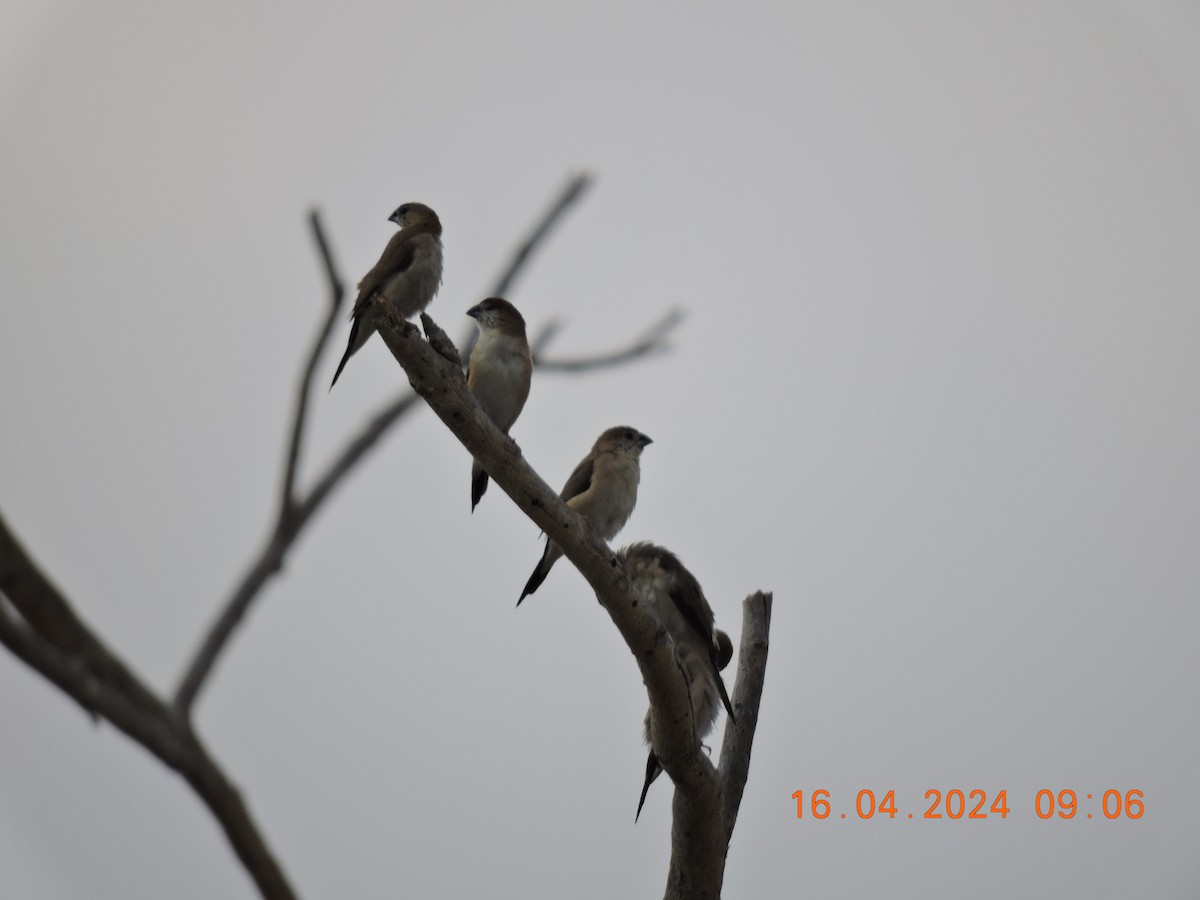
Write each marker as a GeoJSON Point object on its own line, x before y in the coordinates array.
{"type": "Point", "coordinates": [937, 389]}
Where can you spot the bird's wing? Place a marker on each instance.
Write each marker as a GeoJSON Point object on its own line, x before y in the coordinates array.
{"type": "Point", "coordinates": [686, 594]}
{"type": "Point", "coordinates": [397, 256]}
{"type": "Point", "coordinates": [581, 478]}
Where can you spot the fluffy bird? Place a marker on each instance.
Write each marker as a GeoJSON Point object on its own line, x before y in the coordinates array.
{"type": "Point", "coordinates": [603, 489]}
{"type": "Point", "coordinates": [406, 277]}
{"type": "Point", "coordinates": [675, 598]}
{"type": "Point", "coordinates": [498, 372]}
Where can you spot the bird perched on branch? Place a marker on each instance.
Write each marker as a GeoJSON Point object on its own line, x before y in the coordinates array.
{"type": "Point", "coordinates": [498, 372]}
{"type": "Point", "coordinates": [406, 277]}
{"type": "Point", "coordinates": [675, 598]}
{"type": "Point", "coordinates": [603, 489]}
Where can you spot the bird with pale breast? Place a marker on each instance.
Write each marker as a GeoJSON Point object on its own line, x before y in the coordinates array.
{"type": "Point", "coordinates": [498, 372]}
{"type": "Point", "coordinates": [602, 488]}
{"type": "Point", "coordinates": [406, 277]}
{"type": "Point", "coordinates": [674, 597]}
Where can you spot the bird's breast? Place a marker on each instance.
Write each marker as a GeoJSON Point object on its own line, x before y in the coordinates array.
{"type": "Point", "coordinates": [410, 290]}
{"type": "Point", "coordinates": [614, 486]}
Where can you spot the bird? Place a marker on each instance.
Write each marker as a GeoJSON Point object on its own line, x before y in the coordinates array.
{"type": "Point", "coordinates": [675, 598]}
{"type": "Point", "coordinates": [603, 489]}
{"type": "Point", "coordinates": [406, 277]}
{"type": "Point", "coordinates": [498, 372]}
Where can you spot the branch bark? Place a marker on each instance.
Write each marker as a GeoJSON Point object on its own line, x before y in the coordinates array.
{"type": "Point", "coordinates": [697, 867]}
{"type": "Point", "coordinates": [701, 807]}
{"type": "Point", "coordinates": [747, 697]}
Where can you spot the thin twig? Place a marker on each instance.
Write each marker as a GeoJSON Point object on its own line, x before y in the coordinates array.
{"type": "Point", "coordinates": [353, 453]}
{"type": "Point", "coordinates": [542, 339]}
{"type": "Point", "coordinates": [270, 561]}
{"type": "Point", "coordinates": [652, 340]}
{"type": "Point", "coordinates": [337, 293]}
{"type": "Point", "coordinates": [567, 197]}
{"type": "Point", "coordinates": [292, 513]}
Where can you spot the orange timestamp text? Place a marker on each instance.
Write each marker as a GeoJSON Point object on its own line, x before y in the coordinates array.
{"type": "Point", "coordinates": [976, 804]}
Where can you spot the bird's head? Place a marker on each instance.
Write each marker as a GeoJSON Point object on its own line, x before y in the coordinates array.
{"type": "Point", "coordinates": [497, 313]}
{"type": "Point", "coordinates": [415, 214]}
{"type": "Point", "coordinates": [622, 439]}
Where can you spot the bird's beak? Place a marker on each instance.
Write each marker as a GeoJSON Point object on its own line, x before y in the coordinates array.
{"type": "Point", "coordinates": [475, 312]}
{"type": "Point", "coordinates": [643, 441]}
{"type": "Point", "coordinates": [395, 217]}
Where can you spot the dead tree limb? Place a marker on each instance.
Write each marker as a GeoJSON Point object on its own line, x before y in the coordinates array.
{"type": "Point", "coordinates": [86, 671]}
{"type": "Point", "coordinates": [703, 813]}
{"type": "Point", "coordinates": [40, 627]}
{"type": "Point", "coordinates": [295, 509]}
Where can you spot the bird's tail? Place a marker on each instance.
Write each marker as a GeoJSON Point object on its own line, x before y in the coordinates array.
{"type": "Point", "coordinates": [341, 366]}
{"type": "Point", "coordinates": [549, 557]}
{"type": "Point", "coordinates": [725, 698]}
{"type": "Point", "coordinates": [351, 346]}
{"type": "Point", "coordinates": [719, 655]}
{"type": "Point", "coordinates": [479, 483]}
{"type": "Point", "coordinates": [653, 770]}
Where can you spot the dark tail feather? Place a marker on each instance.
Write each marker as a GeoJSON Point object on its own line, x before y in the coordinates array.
{"type": "Point", "coordinates": [479, 482]}
{"type": "Point", "coordinates": [725, 699]}
{"type": "Point", "coordinates": [653, 770]}
{"type": "Point", "coordinates": [341, 366]}
{"type": "Point", "coordinates": [349, 351]}
{"type": "Point", "coordinates": [539, 574]}
{"type": "Point", "coordinates": [716, 666]}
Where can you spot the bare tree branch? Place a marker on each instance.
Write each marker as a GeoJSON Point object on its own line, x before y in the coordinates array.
{"type": "Point", "coordinates": [747, 696]}
{"type": "Point", "coordinates": [700, 835]}
{"type": "Point", "coordinates": [47, 612]}
{"type": "Point", "coordinates": [699, 842]}
{"type": "Point", "coordinates": [566, 199]}
{"type": "Point", "coordinates": [295, 510]}
{"type": "Point", "coordinates": [39, 626]}
{"type": "Point", "coordinates": [102, 685]}
{"type": "Point", "coordinates": [697, 866]}
{"type": "Point", "coordinates": [337, 294]}
{"type": "Point", "coordinates": [652, 340]}
{"type": "Point", "coordinates": [541, 340]}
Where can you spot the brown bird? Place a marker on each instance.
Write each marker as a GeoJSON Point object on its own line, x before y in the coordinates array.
{"type": "Point", "coordinates": [406, 277]}
{"type": "Point", "coordinates": [603, 489]}
{"type": "Point", "coordinates": [498, 372]}
{"type": "Point", "coordinates": [675, 598]}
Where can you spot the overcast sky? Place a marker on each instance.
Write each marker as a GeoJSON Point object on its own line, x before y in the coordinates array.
{"type": "Point", "coordinates": [937, 388]}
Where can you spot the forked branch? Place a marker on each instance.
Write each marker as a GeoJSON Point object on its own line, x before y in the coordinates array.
{"type": "Point", "coordinates": [295, 508]}
{"type": "Point", "coordinates": [705, 804]}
